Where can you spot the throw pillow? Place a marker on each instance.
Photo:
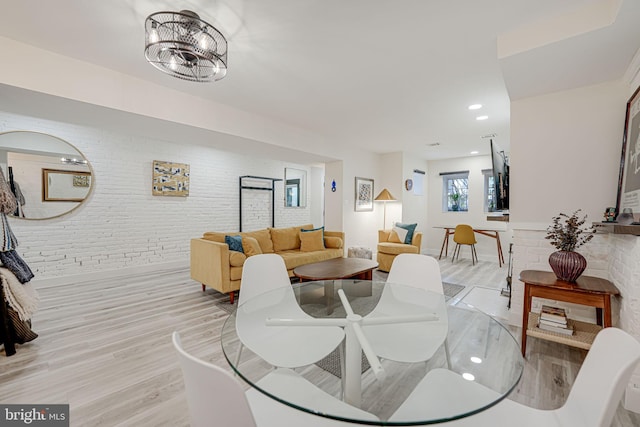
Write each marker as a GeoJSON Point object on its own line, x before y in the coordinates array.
{"type": "Point", "coordinates": [234, 242]}
{"type": "Point", "coordinates": [236, 259]}
{"type": "Point", "coordinates": [410, 229]}
{"type": "Point", "coordinates": [311, 241]}
{"type": "Point", "coordinates": [251, 246]}
{"type": "Point", "coordinates": [264, 239]}
{"type": "Point", "coordinates": [285, 239]}
{"type": "Point", "coordinates": [332, 242]}
{"type": "Point", "coordinates": [397, 235]}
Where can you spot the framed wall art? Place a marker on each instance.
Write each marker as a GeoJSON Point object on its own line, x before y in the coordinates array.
{"type": "Point", "coordinates": [629, 177]}
{"type": "Point", "coordinates": [170, 179]}
{"type": "Point", "coordinates": [364, 194]}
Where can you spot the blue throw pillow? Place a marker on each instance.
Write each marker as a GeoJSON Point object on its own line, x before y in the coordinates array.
{"type": "Point", "coordinates": [410, 229]}
{"type": "Point", "coordinates": [234, 242]}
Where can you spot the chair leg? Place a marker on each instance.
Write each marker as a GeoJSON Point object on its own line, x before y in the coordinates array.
{"type": "Point", "coordinates": [239, 354]}
{"type": "Point", "coordinates": [343, 374]}
{"type": "Point", "coordinates": [474, 254]}
{"type": "Point", "coordinates": [447, 353]}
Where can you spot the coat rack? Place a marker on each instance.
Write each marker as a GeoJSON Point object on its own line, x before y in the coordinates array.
{"type": "Point", "coordinates": [271, 187]}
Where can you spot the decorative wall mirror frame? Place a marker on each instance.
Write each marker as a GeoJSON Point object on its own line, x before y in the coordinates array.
{"type": "Point", "coordinates": [295, 188]}
{"type": "Point", "coordinates": [50, 176]}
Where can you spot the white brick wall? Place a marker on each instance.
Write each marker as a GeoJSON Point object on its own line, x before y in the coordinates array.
{"type": "Point", "coordinates": [122, 225]}
{"type": "Point", "coordinates": [610, 256]}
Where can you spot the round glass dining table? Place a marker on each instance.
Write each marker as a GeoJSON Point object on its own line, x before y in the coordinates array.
{"type": "Point", "coordinates": [407, 356]}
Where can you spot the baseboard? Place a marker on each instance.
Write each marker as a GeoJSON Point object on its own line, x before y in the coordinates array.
{"type": "Point", "coordinates": [46, 282]}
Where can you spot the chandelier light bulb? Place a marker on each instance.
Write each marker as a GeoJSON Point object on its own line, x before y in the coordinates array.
{"type": "Point", "coordinates": [153, 33]}
{"type": "Point", "coordinates": [173, 63]}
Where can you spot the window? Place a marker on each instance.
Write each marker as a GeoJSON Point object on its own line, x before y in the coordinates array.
{"type": "Point", "coordinates": [489, 191]}
{"type": "Point", "coordinates": [455, 191]}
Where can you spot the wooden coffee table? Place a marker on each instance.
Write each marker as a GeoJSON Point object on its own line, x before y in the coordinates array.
{"type": "Point", "coordinates": [337, 268]}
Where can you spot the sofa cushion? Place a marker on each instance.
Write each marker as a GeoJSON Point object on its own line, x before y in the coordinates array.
{"type": "Point", "coordinates": [396, 248]}
{"type": "Point", "coordinates": [234, 242]}
{"type": "Point", "coordinates": [235, 273]}
{"type": "Point", "coordinates": [296, 258]}
{"type": "Point", "coordinates": [216, 236]}
{"type": "Point", "coordinates": [410, 229]}
{"type": "Point", "coordinates": [311, 241]}
{"type": "Point", "coordinates": [236, 259]}
{"type": "Point", "coordinates": [251, 246]}
{"type": "Point", "coordinates": [332, 242]}
{"type": "Point", "coordinates": [264, 239]}
{"type": "Point", "coordinates": [285, 239]}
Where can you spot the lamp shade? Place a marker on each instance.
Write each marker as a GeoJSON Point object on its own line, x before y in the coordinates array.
{"type": "Point", "coordinates": [385, 196]}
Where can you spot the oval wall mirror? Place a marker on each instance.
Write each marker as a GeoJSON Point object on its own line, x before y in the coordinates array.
{"type": "Point", "coordinates": [49, 176]}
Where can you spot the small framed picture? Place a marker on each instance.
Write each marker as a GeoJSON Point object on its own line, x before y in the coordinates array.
{"type": "Point", "coordinates": [364, 194]}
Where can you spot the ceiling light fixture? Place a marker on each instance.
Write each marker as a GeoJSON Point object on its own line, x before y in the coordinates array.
{"type": "Point", "coordinates": [482, 117]}
{"type": "Point", "coordinates": [184, 46]}
{"type": "Point", "coordinates": [73, 161]}
{"type": "Point", "coordinates": [475, 106]}
{"type": "Point", "coordinates": [474, 152]}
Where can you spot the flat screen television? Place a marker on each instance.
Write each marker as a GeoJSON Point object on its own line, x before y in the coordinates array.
{"type": "Point", "coordinates": [500, 164]}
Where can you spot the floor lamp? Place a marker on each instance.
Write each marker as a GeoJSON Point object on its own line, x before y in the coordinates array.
{"type": "Point", "coordinates": [385, 197]}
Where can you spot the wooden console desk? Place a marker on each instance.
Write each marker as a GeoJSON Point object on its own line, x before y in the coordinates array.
{"type": "Point", "coordinates": [449, 231]}
{"type": "Point", "coordinates": [590, 291]}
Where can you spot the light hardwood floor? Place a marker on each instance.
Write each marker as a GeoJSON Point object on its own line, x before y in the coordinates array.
{"type": "Point", "coordinates": [104, 347]}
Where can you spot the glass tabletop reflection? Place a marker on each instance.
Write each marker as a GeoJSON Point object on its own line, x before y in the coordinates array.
{"type": "Point", "coordinates": [403, 355]}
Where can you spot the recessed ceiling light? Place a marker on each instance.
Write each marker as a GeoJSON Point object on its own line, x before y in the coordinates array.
{"type": "Point", "coordinates": [474, 152]}
{"type": "Point", "coordinates": [475, 106]}
{"type": "Point", "coordinates": [482, 117]}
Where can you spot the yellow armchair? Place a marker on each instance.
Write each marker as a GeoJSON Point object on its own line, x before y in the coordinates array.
{"type": "Point", "coordinates": [387, 250]}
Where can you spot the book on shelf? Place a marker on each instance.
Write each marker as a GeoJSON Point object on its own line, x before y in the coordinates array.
{"type": "Point", "coordinates": [553, 314]}
{"type": "Point", "coordinates": [566, 330]}
{"type": "Point", "coordinates": [553, 323]}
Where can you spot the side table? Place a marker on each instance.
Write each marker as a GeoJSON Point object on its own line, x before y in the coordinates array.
{"type": "Point", "coordinates": [591, 291]}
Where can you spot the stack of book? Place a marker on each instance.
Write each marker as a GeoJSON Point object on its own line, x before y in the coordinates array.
{"type": "Point", "coordinates": [554, 319]}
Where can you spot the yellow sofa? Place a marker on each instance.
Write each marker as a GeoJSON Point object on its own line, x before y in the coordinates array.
{"type": "Point", "coordinates": [388, 250]}
{"type": "Point", "coordinates": [214, 265]}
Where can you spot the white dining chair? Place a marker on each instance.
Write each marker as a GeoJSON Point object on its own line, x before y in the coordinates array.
{"type": "Point", "coordinates": [420, 340]}
{"type": "Point", "coordinates": [215, 397]}
{"type": "Point", "coordinates": [592, 401]}
{"type": "Point", "coordinates": [266, 292]}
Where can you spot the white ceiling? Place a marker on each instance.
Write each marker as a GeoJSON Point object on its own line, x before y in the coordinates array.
{"type": "Point", "coordinates": [381, 75]}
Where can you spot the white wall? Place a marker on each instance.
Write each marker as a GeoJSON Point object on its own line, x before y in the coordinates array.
{"type": "Point", "coordinates": [475, 216]}
{"type": "Point", "coordinates": [361, 228]}
{"type": "Point", "coordinates": [122, 225]}
{"type": "Point", "coordinates": [565, 155]}
{"type": "Point", "coordinates": [565, 152]}
{"type": "Point", "coordinates": [414, 207]}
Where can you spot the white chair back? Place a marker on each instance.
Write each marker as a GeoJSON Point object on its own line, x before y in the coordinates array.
{"type": "Point", "coordinates": [262, 273]}
{"type": "Point", "coordinates": [419, 271]}
{"type": "Point", "coordinates": [604, 374]}
{"type": "Point", "coordinates": [213, 395]}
